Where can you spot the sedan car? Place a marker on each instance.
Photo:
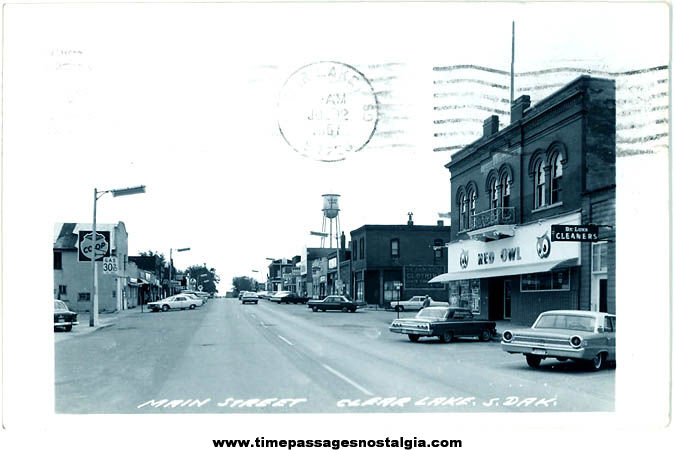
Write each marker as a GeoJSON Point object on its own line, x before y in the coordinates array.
{"type": "Point", "coordinates": [287, 297]}
{"type": "Point", "coordinates": [446, 323]}
{"type": "Point", "coordinates": [334, 303]}
{"type": "Point", "coordinates": [249, 297]}
{"type": "Point", "coordinates": [266, 295]}
{"type": "Point", "coordinates": [415, 303]}
{"type": "Point", "coordinates": [175, 302]}
{"type": "Point", "coordinates": [582, 336]}
{"type": "Point", "coordinates": [63, 317]}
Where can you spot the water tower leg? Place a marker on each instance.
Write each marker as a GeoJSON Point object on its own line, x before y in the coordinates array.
{"type": "Point", "coordinates": [323, 231]}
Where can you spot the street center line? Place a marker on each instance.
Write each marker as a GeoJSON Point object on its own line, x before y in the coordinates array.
{"type": "Point", "coordinates": [348, 380]}
{"type": "Point", "coordinates": [285, 340]}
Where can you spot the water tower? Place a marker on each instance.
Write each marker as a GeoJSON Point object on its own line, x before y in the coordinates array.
{"type": "Point", "coordinates": [331, 213]}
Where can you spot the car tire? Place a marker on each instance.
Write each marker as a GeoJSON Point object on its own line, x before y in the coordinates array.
{"type": "Point", "coordinates": [255, 303]}
{"type": "Point", "coordinates": [446, 337]}
{"type": "Point", "coordinates": [413, 337]}
{"type": "Point", "coordinates": [193, 306]}
{"type": "Point", "coordinates": [322, 309]}
{"type": "Point", "coordinates": [597, 362]}
{"type": "Point", "coordinates": [345, 309]}
{"type": "Point", "coordinates": [485, 336]}
{"type": "Point", "coordinates": [534, 361]}
{"type": "Point", "coordinates": [165, 308]}
{"type": "Point", "coordinates": [399, 308]}
{"type": "Point", "coordinates": [68, 327]}
{"type": "Point", "coordinates": [314, 309]}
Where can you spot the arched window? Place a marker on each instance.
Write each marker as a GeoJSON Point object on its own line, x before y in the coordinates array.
{"type": "Point", "coordinates": [472, 200]}
{"type": "Point", "coordinates": [556, 182]}
{"type": "Point", "coordinates": [463, 214]}
{"type": "Point", "coordinates": [539, 185]}
{"type": "Point", "coordinates": [493, 194]}
{"type": "Point", "coordinates": [505, 190]}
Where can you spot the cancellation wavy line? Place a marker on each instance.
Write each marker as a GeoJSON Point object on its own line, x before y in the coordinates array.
{"type": "Point", "coordinates": [551, 70]}
{"type": "Point", "coordinates": [492, 98]}
{"type": "Point", "coordinates": [620, 151]}
{"type": "Point", "coordinates": [621, 113]}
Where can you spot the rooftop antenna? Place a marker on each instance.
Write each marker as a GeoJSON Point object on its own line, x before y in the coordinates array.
{"type": "Point", "coordinates": [512, 70]}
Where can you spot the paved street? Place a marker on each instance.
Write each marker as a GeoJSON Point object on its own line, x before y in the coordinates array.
{"type": "Point", "coordinates": [231, 358]}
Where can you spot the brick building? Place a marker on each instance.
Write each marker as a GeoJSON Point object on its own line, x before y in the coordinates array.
{"type": "Point", "coordinates": [553, 165]}
{"type": "Point", "coordinates": [393, 262]}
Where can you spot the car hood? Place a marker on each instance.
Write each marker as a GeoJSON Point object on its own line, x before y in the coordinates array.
{"type": "Point", "coordinates": [550, 333]}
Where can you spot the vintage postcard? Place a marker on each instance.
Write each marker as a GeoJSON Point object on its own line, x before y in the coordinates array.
{"type": "Point", "coordinates": [335, 224]}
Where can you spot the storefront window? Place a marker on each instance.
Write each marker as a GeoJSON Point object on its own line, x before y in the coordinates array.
{"type": "Point", "coordinates": [466, 298]}
{"type": "Point", "coordinates": [360, 290]}
{"type": "Point", "coordinates": [454, 293]}
{"type": "Point", "coordinates": [391, 291]}
{"type": "Point", "coordinates": [556, 280]}
{"type": "Point", "coordinates": [600, 257]}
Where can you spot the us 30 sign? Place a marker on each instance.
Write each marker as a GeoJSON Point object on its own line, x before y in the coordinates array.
{"type": "Point", "coordinates": [87, 246]}
{"type": "Point", "coordinates": [110, 264]}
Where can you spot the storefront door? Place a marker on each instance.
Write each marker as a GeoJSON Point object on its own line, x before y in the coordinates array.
{"type": "Point", "coordinates": [496, 297]}
{"type": "Point", "coordinates": [506, 299]}
{"type": "Point", "coordinates": [603, 304]}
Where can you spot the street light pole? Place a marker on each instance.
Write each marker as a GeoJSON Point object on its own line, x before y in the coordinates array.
{"type": "Point", "coordinates": [93, 314]}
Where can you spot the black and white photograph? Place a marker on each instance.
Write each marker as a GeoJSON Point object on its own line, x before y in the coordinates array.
{"type": "Point", "coordinates": [336, 224]}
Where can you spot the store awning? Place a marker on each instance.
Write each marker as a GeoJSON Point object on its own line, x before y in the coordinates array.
{"type": "Point", "coordinates": [521, 269]}
{"type": "Point", "coordinates": [137, 281]}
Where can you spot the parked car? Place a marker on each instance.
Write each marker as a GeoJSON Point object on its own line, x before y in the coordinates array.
{"type": "Point", "coordinates": [583, 336]}
{"type": "Point", "coordinates": [415, 303]}
{"type": "Point", "coordinates": [266, 295]}
{"type": "Point", "coordinates": [287, 297]}
{"type": "Point", "coordinates": [63, 317]}
{"type": "Point", "coordinates": [335, 303]}
{"type": "Point", "coordinates": [249, 297]}
{"type": "Point", "coordinates": [180, 301]}
{"type": "Point", "coordinates": [446, 323]}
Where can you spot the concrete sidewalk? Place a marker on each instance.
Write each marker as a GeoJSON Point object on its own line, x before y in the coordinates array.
{"type": "Point", "coordinates": [105, 320]}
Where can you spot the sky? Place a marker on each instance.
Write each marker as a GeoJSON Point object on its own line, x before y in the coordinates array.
{"type": "Point", "coordinates": [183, 99]}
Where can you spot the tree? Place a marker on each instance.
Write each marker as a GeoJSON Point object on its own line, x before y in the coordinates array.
{"type": "Point", "coordinates": [244, 284]}
{"type": "Point", "coordinates": [204, 276]}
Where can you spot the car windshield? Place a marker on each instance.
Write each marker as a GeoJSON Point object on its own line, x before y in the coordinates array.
{"type": "Point", "coordinates": [60, 306]}
{"type": "Point", "coordinates": [432, 313]}
{"type": "Point", "coordinates": [566, 322]}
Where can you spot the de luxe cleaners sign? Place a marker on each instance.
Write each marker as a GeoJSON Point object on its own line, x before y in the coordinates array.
{"type": "Point", "coordinates": [88, 246]}
{"type": "Point", "coordinates": [575, 233]}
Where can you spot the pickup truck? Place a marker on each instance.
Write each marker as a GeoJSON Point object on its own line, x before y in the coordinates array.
{"type": "Point", "coordinates": [446, 323]}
